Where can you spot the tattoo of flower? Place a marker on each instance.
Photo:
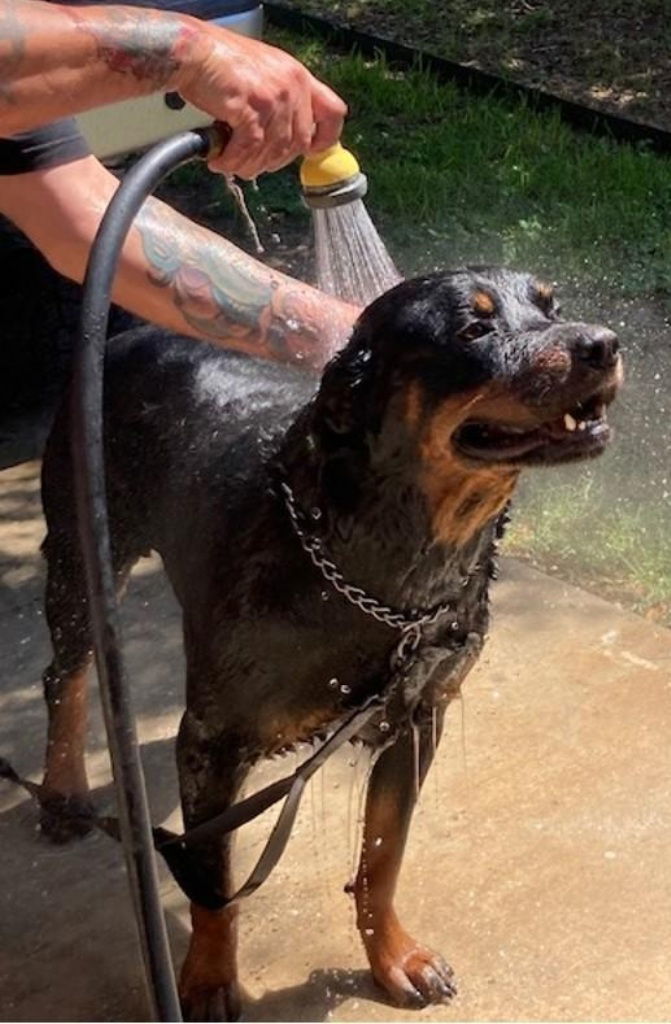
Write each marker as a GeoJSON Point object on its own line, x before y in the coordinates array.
{"type": "Point", "coordinates": [225, 295]}
{"type": "Point", "coordinates": [220, 298]}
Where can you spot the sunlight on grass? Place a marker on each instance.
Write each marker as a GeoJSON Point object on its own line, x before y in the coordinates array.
{"type": "Point", "coordinates": [490, 176]}
{"type": "Point", "coordinates": [573, 527]}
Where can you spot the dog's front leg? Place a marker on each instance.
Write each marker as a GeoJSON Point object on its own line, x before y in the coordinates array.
{"type": "Point", "coordinates": [210, 773]}
{"type": "Point", "coordinates": [410, 973]}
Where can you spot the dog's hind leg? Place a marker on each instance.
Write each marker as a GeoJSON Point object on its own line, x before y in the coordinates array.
{"type": "Point", "coordinates": [410, 973]}
{"type": "Point", "coordinates": [66, 687]}
{"type": "Point", "coordinates": [211, 771]}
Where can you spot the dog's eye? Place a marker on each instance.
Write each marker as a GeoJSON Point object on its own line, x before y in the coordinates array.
{"type": "Point", "coordinates": [544, 296]}
{"type": "Point", "coordinates": [476, 329]}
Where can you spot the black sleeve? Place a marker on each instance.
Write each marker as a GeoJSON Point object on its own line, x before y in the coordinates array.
{"type": "Point", "coordinates": [55, 144]}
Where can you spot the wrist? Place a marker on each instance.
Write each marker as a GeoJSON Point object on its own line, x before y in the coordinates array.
{"type": "Point", "coordinates": [192, 50]}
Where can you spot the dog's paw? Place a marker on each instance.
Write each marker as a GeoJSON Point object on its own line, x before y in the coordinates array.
{"type": "Point", "coordinates": [208, 985]}
{"type": "Point", "coordinates": [410, 973]}
{"type": "Point", "coordinates": [65, 818]}
{"type": "Point", "coordinates": [212, 1004]}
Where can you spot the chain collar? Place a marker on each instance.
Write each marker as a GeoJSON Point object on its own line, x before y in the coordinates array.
{"type": "Point", "coordinates": [411, 625]}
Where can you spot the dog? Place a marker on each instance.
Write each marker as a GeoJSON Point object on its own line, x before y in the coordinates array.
{"type": "Point", "coordinates": [397, 468]}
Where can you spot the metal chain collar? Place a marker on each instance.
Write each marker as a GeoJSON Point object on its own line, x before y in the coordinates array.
{"type": "Point", "coordinates": [411, 626]}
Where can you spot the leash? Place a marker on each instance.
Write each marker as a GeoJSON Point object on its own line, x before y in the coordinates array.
{"type": "Point", "coordinates": [180, 851]}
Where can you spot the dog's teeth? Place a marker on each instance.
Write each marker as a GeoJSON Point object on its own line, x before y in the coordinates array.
{"type": "Point", "coordinates": [582, 425]}
{"type": "Point", "coordinates": [569, 422]}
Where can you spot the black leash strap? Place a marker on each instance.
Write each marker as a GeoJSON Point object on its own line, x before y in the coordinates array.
{"type": "Point", "coordinates": [181, 852]}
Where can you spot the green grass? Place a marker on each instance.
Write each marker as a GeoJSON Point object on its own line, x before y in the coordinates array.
{"type": "Point", "coordinates": [573, 527]}
{"type": "Point", "coordinates": [483, 178]}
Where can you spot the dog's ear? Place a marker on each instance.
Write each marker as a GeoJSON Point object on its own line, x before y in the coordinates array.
{"type": "Point", "coordinates": [341, 421]}
{"type": "Point", "coordinates": [342, 403]}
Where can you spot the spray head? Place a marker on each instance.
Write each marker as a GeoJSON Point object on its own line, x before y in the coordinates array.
{"type": "Point", "coordinates": [332, 178]}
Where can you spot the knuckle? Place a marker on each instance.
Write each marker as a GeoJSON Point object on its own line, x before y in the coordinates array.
{"type": "Point", "coordinates": [265, 105]}
{"type": "Point", "coordinates": [252, 134]}
{"type": "Point", "coordinates": [303, 139]}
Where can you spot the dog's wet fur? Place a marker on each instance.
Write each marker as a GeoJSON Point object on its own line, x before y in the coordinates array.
{"type": "Point", "coordinates": [402, 460]}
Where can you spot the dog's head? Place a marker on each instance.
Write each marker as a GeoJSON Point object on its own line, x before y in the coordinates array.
{"type": "Point", "coordinates": [475, 373]}
{"type": "Point", "coordinates": [487, 352]}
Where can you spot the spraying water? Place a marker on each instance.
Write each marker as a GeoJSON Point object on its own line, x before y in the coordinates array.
{"type": "Point", "coordinates": [352, 261]}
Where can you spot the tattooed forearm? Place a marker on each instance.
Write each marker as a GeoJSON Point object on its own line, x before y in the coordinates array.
{"type": "Point", "coordinates": [58, 60]}
{"type": "Point", "coordinates": [217, 297]}
{"type": "Point", "coordinates": [142, 43]}
{"type": "Point", "coordinates": [226, 295]}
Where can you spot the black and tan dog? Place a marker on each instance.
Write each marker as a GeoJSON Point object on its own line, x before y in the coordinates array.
{"type": "Point", "coordinates": [401, 461]}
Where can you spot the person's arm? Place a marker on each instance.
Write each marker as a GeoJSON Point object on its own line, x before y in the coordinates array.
{"type": "Point", "coordinates": [175, 273]}
{"type": "Point", "coordinates": [58, 60]}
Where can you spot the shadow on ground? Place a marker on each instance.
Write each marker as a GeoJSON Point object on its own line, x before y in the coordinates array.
{"type": "Point", "coordinates": [537, 862]}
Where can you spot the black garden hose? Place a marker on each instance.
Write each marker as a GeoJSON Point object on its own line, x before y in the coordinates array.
{"type": "Point", "coordinates": [89, 472]}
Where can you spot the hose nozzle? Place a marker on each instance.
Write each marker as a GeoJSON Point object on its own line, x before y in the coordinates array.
{"type": "Point", "coordinates": [332, 178]}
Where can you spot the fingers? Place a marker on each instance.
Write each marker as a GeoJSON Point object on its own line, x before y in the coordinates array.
{"type": "Point", "coordinates": [306, 123]}
{"type": "Point", "coordinates": [329, 113]}
{"type": "Point", "coordinates": [244, 153]}
{"type": "Point", "coordinates": [275, 108]}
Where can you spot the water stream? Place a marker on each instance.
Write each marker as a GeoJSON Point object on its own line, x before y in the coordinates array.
{"type": "Point", "coordinates": [352, 261]}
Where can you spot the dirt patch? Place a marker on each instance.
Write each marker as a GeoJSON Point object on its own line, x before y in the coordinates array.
{"type": "Point", "coordinates": [610, 56]}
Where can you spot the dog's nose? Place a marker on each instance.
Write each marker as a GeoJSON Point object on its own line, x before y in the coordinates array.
{"type": "Point", "coordinates": [597, 346]}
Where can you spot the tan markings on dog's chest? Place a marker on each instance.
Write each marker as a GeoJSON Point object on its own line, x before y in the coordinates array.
{"type": "Point", "coordinates": [461, 499]}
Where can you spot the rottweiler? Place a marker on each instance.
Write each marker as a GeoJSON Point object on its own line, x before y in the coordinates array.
{"type": "Point", "coordinates": [396, 470]}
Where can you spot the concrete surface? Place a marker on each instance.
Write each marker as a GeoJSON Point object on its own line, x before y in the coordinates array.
{"type": "Point", "coordinates": [538, 862]}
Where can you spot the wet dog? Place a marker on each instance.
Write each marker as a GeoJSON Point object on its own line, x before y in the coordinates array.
{"type": "Point", "coordinates": [396, 468]}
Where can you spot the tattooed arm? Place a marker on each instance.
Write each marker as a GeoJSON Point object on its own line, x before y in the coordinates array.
{"type": "Point", "coordinates": [176, 273]}
{"type": "Point", "coordinates": [58, 60]}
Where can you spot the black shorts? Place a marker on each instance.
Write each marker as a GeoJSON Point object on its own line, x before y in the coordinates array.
{"type": "Point", "coordinates": [50, 146]}
{"type": "Point", "coordinates": [39, 309]}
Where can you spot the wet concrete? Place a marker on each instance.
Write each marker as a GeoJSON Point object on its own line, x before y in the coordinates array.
{"type": "Point", "coordinates": [538, 861]}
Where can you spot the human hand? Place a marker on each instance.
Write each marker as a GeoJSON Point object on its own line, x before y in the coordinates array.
{"type": "Point", "coordinates": [275, 108]}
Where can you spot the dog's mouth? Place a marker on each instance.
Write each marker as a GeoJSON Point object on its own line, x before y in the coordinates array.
{"type": "Point", "coordinates": [582, 431]}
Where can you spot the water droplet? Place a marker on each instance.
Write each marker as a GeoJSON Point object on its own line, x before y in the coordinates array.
{"type": "Point", "coordinates": [345, 688]}
{"type": "Point", "coordinates": [315, 512]}
{"type": "Point", "coordinates": [384, 726]}
{"type": "Point", "coordinates": [369, 931]}
{"type": "Point", "coordinates": [333, 683]}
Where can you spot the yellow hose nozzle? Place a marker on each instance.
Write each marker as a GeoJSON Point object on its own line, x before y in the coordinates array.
{"type": "Point", "coordinates": [332, 177]}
